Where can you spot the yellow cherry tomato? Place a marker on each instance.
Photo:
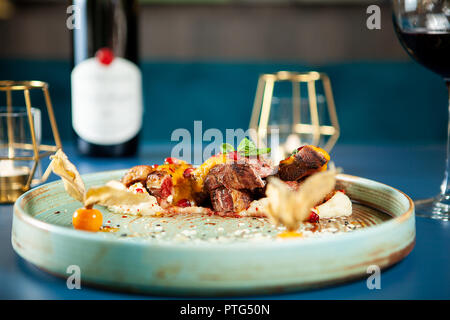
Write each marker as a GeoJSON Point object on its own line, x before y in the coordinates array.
{"type": "Point", "coordinates": [87, 219]}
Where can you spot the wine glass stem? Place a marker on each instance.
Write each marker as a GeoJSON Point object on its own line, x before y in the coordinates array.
{"type": "Point", "coordinates": [445, 186]}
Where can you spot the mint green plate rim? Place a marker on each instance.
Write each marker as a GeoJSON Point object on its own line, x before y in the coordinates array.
{"type": "Point", "coordinates": [402, 223]}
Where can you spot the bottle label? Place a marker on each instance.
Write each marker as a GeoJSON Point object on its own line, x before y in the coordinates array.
{"type": "Point", "coordinates": [106, 101]}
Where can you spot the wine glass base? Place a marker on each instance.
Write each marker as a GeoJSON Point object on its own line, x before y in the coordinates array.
{"type": "Point", "coordinates": [435, 208]}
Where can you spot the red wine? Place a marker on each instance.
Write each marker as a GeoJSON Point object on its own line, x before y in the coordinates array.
{"type": "Point", "coordinates": [431, 49]}
{"type": "Point", "coordinates": [106, 80]}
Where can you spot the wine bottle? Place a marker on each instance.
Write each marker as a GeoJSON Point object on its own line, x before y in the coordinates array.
{"type": "Point", "coordinates": [106, 81]}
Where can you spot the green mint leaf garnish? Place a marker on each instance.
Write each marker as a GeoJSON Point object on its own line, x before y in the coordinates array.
{"type": "Point", "coordinates": [248, 148]}
{"type": "Point", "coordinates": [226, 147]}
{"type": "Point", "coordinates": [246, 145]}
{"type": "Point", "coordinates": [258, 152]}
{"type": "Point", "coordinates": [263, 151]}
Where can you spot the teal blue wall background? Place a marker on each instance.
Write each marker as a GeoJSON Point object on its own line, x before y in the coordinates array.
{"type": "Point", "coordinates": [376, 101]}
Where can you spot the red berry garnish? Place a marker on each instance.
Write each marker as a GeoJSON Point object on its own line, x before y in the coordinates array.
{"type": "Point", "coordinates": [139, 190]}
{"type": "Point", "coordinates": [184, 203]}
{"type": "Point", "coordinates": [233, 155]}
{"type": "Point", "coordinates": [168, 160]}
{"type": "Point", "coordinates": [172, 160]}
{"type": "Point", "coordinates": [187, 173]}
{"type": "Point", "coordinates": [105, 56]}
{"type": "Point", "coordinates": [313, 217]}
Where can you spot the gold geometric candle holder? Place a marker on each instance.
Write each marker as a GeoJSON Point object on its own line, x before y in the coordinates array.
{"type": "Point", "coordinates": [310, 129]}
{"type": "Point", "coordinates": [20, 146]}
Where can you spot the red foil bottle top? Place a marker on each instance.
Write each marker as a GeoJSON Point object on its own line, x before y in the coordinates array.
{"type": "Point", "coordinates": [105, 56]}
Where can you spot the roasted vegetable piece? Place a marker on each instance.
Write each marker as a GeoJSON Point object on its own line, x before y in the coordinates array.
{"type": "Point", "coordinates": [307, 160]}
{"type": "Point", "coordinates": [137, 174]}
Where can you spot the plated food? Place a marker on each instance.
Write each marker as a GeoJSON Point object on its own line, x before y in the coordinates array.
{"type": "Point", "coordinates": [211, 254]}
{"type": "Point", "coordinates": [233, 183]}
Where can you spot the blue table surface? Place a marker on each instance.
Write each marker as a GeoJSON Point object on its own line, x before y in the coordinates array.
{"type": "Point", "coordinates": [416, 170]}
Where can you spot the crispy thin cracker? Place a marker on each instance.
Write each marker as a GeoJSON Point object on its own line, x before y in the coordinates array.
{"type": "Point", "coordinates": [73, 184]}
{"type": "Point", "coordinates": [291, 208]}
{"type": "Point", "coordinates": [108, 195]}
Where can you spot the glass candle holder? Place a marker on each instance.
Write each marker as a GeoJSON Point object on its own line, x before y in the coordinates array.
{"type": "Point", "coordinates": [293, 109]}
{"type": "Point", "coordinates": [16, 150]}
{"type": "Point", "coordinates": [21, 149]}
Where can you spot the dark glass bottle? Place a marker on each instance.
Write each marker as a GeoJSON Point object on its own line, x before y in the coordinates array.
{"type": "Point", "coordinates": [106, 80]}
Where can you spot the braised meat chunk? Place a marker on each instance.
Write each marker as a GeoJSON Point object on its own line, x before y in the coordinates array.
{"type": "Point", "coordinates": [247, 173]}
{"type": "Point", "coordinates": [306, 161]}
{"type": "Point", "coordinates": [159, 184]}
{"type": "Point", "coordinates": [228, 182]}
{"type": "Point", "coordinates": [229, 200]}
{"type": "Point", "coordinates": [232, 185]}
{"type": "Point", "coordinates": [168, 182]}
{"type": "Point", "coordinates": [233, 176]}
{"type": "Point", "coordinates": [264, 167]}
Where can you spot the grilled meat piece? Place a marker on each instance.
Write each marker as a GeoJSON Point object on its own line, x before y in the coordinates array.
{"type": "Point", "coordinates": [231, 186]}
{"type": "Point", "coordinates": [214, 178]}
{"type": "Point", "coordinates": [136, 174]}
{"type": "Point", "coordinates": [307, 160]}
{"type": "Point", "coordinates": [159, 184]}
{"type": "Point", "coordinates": [264, 167]}
{"type": "Point", "coordinates": [244, 174]}
{"type": "Point", "coordinates": [229, 200]}
{"type": "Point", "coordinates": [233, 176]}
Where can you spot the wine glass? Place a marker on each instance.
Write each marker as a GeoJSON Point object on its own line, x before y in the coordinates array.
{"type": "Point", "coordinates": [423, 28]}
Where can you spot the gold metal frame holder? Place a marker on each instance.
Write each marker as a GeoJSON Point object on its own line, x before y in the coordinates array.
{"type": "Point", "coordinates": [259, 122]}
{"type": "Point", "coordinates": [39, 150]}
